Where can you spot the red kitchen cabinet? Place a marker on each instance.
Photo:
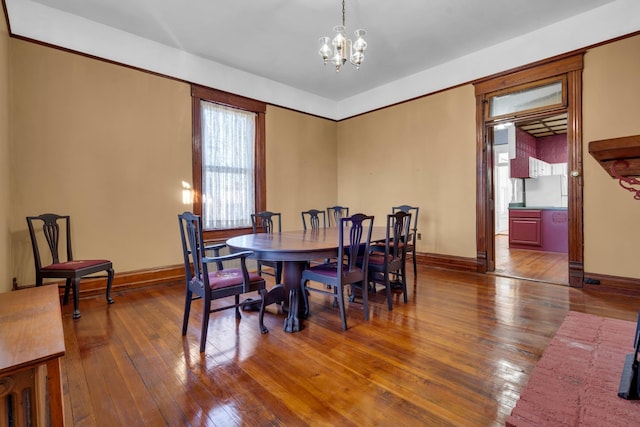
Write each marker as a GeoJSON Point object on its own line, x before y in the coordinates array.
{"type": "Point", "coordinates": [525, 228]}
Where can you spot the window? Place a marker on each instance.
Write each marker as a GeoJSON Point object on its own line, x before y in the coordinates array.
{"type": "Point", "coordinates": [228, 161]}
{"type": "Point", "coordinates": [526, 99]}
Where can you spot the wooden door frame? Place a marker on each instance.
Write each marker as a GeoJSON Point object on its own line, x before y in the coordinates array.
{"type": "Point", "coordinates": [571, 66]}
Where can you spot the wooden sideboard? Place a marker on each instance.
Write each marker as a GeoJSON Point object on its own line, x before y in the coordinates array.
{"type": "Point", "coordinates": [31, 345]}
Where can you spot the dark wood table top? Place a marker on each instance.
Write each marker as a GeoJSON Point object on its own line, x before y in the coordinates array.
{"type": "Point", "coordinates": [300, 245]}
{"type": "Point", "coordinates": [31, 331]}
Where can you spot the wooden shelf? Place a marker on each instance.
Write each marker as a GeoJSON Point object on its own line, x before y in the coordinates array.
{"type": "Point", "coordinates": [609, 151]}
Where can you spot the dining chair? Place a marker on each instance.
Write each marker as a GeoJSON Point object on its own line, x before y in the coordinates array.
{"type": "Point", "coordinates": [313, 217]}
{"type": "Point", "coordinates": [382, 264]}
{"type": "Point", "coordinates": [54, 227]}
{"type": "Point", "coordinates": [268, 222]}
{"type": "Point", "coordinates": [210, 285]}
{"type": "Point", "coordinates": [410, 247]}
{"type": "Point", "coordinates": [354, 233]}
{"type": "Point", "coordinates": [335, 213]}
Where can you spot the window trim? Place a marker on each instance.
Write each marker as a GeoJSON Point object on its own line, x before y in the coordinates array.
{"type": "Point", "coordinates": [562, 79]}
{"type": "Point", "coordinates": [201, 93]}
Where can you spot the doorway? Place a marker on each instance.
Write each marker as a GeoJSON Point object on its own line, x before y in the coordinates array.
{"type": "Point", "coordinates": [566, 71]}
{"type": "Point", "coordinates": [531, 202]}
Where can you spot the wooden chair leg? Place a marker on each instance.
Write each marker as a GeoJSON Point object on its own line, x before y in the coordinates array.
{"type": "Point", "coordinates": [67, 287]}
{"type": "Point", "coordinates": [305, 296]}
{"type": "Point", "coordinates": [404, 282]}
{"type": "Point", "coordinates": [365, 298]}
{"type": "Point", "coordinates": [278, 271]}
{"type": "Point", "coordinates": [206, 311]}
{"type": "Point", "coordinates": [76, 298]}
{"type": "Point", "coordinates": [237, 299]}
{"type": "Point", "coordinates": [387, 285]}
{"type": "Point", "coordinates": [263, 301]}
{"type": "Point", "coordinates": [187, 309]}
{"type": "Point", "coordinates": [110, 275]}
{"type": "Point", "coordinates": [343, 314]}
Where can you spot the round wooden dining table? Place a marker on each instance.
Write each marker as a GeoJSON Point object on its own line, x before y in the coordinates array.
{"type": "Point", "coordinates": [295, 249]}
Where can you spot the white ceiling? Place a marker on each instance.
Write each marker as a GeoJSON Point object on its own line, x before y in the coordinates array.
{"type": "Point", "coordinates": [268, 49]}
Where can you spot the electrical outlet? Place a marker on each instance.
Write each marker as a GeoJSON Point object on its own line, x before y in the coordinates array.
{"type": "Point", "coordinates": [419, 236]}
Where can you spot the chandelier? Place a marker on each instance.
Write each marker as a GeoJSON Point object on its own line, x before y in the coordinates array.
{"type": "Point", "coordinates": [335, 50]}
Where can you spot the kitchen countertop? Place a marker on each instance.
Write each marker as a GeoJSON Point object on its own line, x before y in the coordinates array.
{"type": "Point", "coordinates": [539, 208]}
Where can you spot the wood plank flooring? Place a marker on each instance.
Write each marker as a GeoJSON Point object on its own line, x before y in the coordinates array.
{"type": "Point", "coordinates": [459, 353]}
{"type": "Point", "coordinates": [552, 267]}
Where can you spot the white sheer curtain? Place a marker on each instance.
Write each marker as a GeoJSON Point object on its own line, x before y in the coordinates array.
{"type": "Point", "coordinates": [228, 187]}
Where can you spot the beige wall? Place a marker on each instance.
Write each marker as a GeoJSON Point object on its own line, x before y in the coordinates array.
{"type": "Point", "coordinates": [611, 103]}
{"type": "Point", "coordinates": [420, 153]}
{"type": "Point", "coordinates": [434, 138]}
{"type": "Point", "coordinates": [301, 164]}
{"type": "Point", "coordinates": [106, 144]}
{"type": "Point", "coordinates": [111, 146]}
{"type": "Point", "coordinates": [5, 163]}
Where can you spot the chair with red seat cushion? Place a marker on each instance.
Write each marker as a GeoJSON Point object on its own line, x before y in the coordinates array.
{"type": "Point", "coordinates": [70, 269]}
{"type": "Point", "coordinates": [354, 233]}
{"type": "Point", "coordinates": [266, 222]}
{"type": "Point", "coordinates": [312, 217]}
{"type": "Point", "coordinates": [390, 259]}
{"type": "Point", "coordinates": [411, 239]}
{"type": "Point", "coordinates": [219, 283]}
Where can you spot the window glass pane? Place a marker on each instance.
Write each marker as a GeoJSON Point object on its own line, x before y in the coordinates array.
{"type": "Point", "coordinates": [228, 165]}
{"type": "Point", "coordinates": [526, 99]}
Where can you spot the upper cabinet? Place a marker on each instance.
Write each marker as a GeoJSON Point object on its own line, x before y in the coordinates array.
{"type": "Point", "coordinates": [536, 157]}
{"type": "Point", "coordinates": [525, 149]}
{"type": "Point", "coordinates": [530, 168]}
{"type": "Point", "coordinates": [538, 168]}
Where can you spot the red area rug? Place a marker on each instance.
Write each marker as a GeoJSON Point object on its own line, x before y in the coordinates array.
{"type": "Point", "coordinates": [576, 381]}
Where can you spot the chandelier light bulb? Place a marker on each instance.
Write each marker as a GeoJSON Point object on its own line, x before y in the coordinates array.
{"type": "Point", "coordinates": [325, 50]}
{"type": "Point", "coordinates": [356, 59]}
{"type": "Point", "coordinates": [360, 45]}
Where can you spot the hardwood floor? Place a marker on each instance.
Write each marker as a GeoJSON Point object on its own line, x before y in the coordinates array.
{"type": "Point", "coordinates": [459, 353]}
{"type": "Point", "coordinates": [552, 267]}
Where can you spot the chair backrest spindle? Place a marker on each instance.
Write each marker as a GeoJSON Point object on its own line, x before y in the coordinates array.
{"type": "Point", "coordinates": [356, 244]}
{"type": "Point", "coordinates": [313, 215]}
{"type": "Point", "coordinates": [265, 221]}
{"type": "Point", "coordinates": [397, 231]}
{"type": "Point", "coordinates": [413, 210]}
{"type": "Point", "coordinates": [336, 213]}
{"type": "Point", "coordinates": [51, 224]}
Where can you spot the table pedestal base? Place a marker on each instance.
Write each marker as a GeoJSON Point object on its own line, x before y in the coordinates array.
{"type": "Point", "coordinates": [291, 303]}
